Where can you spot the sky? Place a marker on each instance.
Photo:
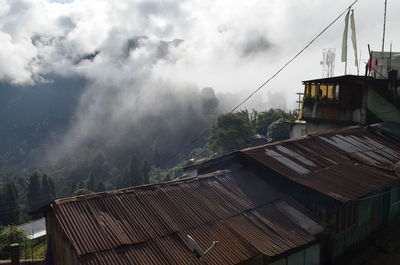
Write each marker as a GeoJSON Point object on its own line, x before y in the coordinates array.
{"type": "Point", "coordinates": [147, 58]}
{"type": "Point", "coordinates": [231, 46]}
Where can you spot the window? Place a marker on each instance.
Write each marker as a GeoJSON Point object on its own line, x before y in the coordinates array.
{"type": "Point", "coordinates": [313, 91]}
{"type": "Point", "coordinates": [331, 92]}
{"type": "Point", "coordinates": [337, 92]}
{"type": "Point", "coordinates": [307, 91]}
{"type": "Point", "coordinates": [323, 91]}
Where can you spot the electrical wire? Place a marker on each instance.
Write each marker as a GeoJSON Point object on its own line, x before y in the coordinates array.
{"type": "Point", "coordinates": [268, 80]}
{"type": "Point", "coordinates": [294, 57]}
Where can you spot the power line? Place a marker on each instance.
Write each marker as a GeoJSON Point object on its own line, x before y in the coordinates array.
{"type": "Point", "coordinates": [268, 80]}
{"type": "Point", "coordinates": [294, 57]}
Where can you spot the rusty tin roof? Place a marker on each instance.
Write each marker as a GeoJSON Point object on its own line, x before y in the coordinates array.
{"type": "Point", "coordinates": [344, 164]}
{"type": "Point", "coordinates": [149, 224]}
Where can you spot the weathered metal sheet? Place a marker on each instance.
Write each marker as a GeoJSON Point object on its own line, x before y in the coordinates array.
{"type": "Point", "coordinates": [34, 229]}
{"type": "Point", "coordinates": [149, 224]}
{"type": "Point", "coordinates": [343, 164]}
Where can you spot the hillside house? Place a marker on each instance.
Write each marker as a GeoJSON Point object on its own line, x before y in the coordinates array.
{"type": "Point", "coordinates": [347, 178]}
{"type": "Point", "coordinates": [253, 223]}
{"type": "Point", "coordinates": [346, 100]}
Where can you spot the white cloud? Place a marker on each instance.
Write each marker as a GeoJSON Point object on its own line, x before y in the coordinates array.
{"type": "Point", "coordinates": [230, 45]}
{"type": "Point", "coordinates": [126, 48]}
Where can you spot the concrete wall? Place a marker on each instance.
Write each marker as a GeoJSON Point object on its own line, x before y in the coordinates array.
{"type": "Point", "coordinates": [320, 126]}
{"type": "Point", "coordinates": [298, 130]}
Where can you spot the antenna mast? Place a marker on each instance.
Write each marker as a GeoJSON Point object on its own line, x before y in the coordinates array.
{"type": "Point", "coordinates": [328, 62]}
{"type": "Point", "coordinates": [383, 38]}
{"type": "Point", "coordinates": [384, 28]}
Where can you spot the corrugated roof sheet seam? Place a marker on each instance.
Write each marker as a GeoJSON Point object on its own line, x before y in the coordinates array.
{"type": "Point", "coordinates": [343, 164]}
{"type": "Point", "coordinates": [129, 227]}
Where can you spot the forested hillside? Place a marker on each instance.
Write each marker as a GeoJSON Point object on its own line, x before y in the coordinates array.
{"type": "Point", "coordinates": [37, 166]}
{"type": "Point", "coordinates": [32, 118]}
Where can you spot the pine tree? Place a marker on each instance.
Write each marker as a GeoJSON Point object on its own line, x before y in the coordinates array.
{"type": "Point", "coordinates": [157, 162]}
{"type": "Point", "coordinates": [33, 196]}
{"type": "Point", "coordinates": [91, 185]}
{"type": "Point", "coordinates": [10, 211]}
{"type": "Point", "coordinates": [145, 171]}
{"type": "Point", "coordinates": [45, 191]}
{"type": "Point", "coordinates": [100, 187]}
{"type": "Point", "coordinates": [134, 176]}
{"type": "Point", "coordinates": [167, 178]}
{"type": "Point", "coordinates": [2, 207]}
{"type": "Point", "coordinates": [52, 188]}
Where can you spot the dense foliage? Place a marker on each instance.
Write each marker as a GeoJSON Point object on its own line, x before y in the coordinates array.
{"type": "Point", "coordinates": [98, 169]}
{"type": "Point", "coordinates": [28, 248]}
{"type": "Point", "coordinates": [230, 132]}
{"type": "Point", "coordinates": [235, 130]}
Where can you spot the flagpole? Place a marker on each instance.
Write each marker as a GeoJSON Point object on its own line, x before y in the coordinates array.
{"type": "Point", "coordinates": [358, 66]}
{"type": "Point", "coordinates": [383, 38]}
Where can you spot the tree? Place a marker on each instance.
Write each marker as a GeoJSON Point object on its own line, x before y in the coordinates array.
{"type": "Point", "coordinates": [46, 190]}
{"type": "Point", "coordinates": [265, 118]}
{"type": "Point", "coordinates": [9, 209]}
{"type": "Point", "coordinates": [82, 192]}
{"type": "Point", "coordinates": [167, 178]}
{"type": "Point", "coordinates": [52, 188]}
{"type": "Point", "coordinates": [134, 175]}
{"type": "Point", "coordinates": [250, 118]}
{"type": "Point", "coordinates": [145, 172]}
{"type": "Point", "coordinates": [12, 234]}
{"type": "Point", "coordinates": [230, 132]}
{"type": "Point", "coordinates": [279, 130]}
{"type": "Point", "coordinates": [100, 187]}
{"type": "Point", "coordinates": [157, 162]}
{"type": "Point", "coordinates": [8, 235]}
{"type": "Point", "coordinates": [91, 185]}
{"type": "Point", "coordinates": [33, 196]}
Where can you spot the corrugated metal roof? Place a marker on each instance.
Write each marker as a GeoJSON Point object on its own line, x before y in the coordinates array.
{"type": "Point", "coordinates": [149, 224]}
{"type": "Point", "coordinates": [35, 228]}
{"type": "Point", "coordinates": [343, 164]}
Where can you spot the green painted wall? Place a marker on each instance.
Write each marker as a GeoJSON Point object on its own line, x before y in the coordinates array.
{"type": "Point", "coordinates": [382, 108]}
{"type": "Point", "coordinates": [372, 214]}
{"type": "Point", "coordinates": [395, 202]}
{"type": "Point", "coordinates": [308, 256]}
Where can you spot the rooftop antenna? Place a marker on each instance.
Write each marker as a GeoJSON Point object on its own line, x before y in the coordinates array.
{"type": "Point", "coordinates": [328, 62]}
{"type": "Point", "coordinates": [197, 251]}
{"type": "Point", "coordinates": [299, 102]}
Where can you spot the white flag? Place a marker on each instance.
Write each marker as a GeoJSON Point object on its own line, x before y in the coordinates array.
{"type": "Point", "coordinates": [353, 36]}
{"type": "Point", "coordinates": [344, 42]}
